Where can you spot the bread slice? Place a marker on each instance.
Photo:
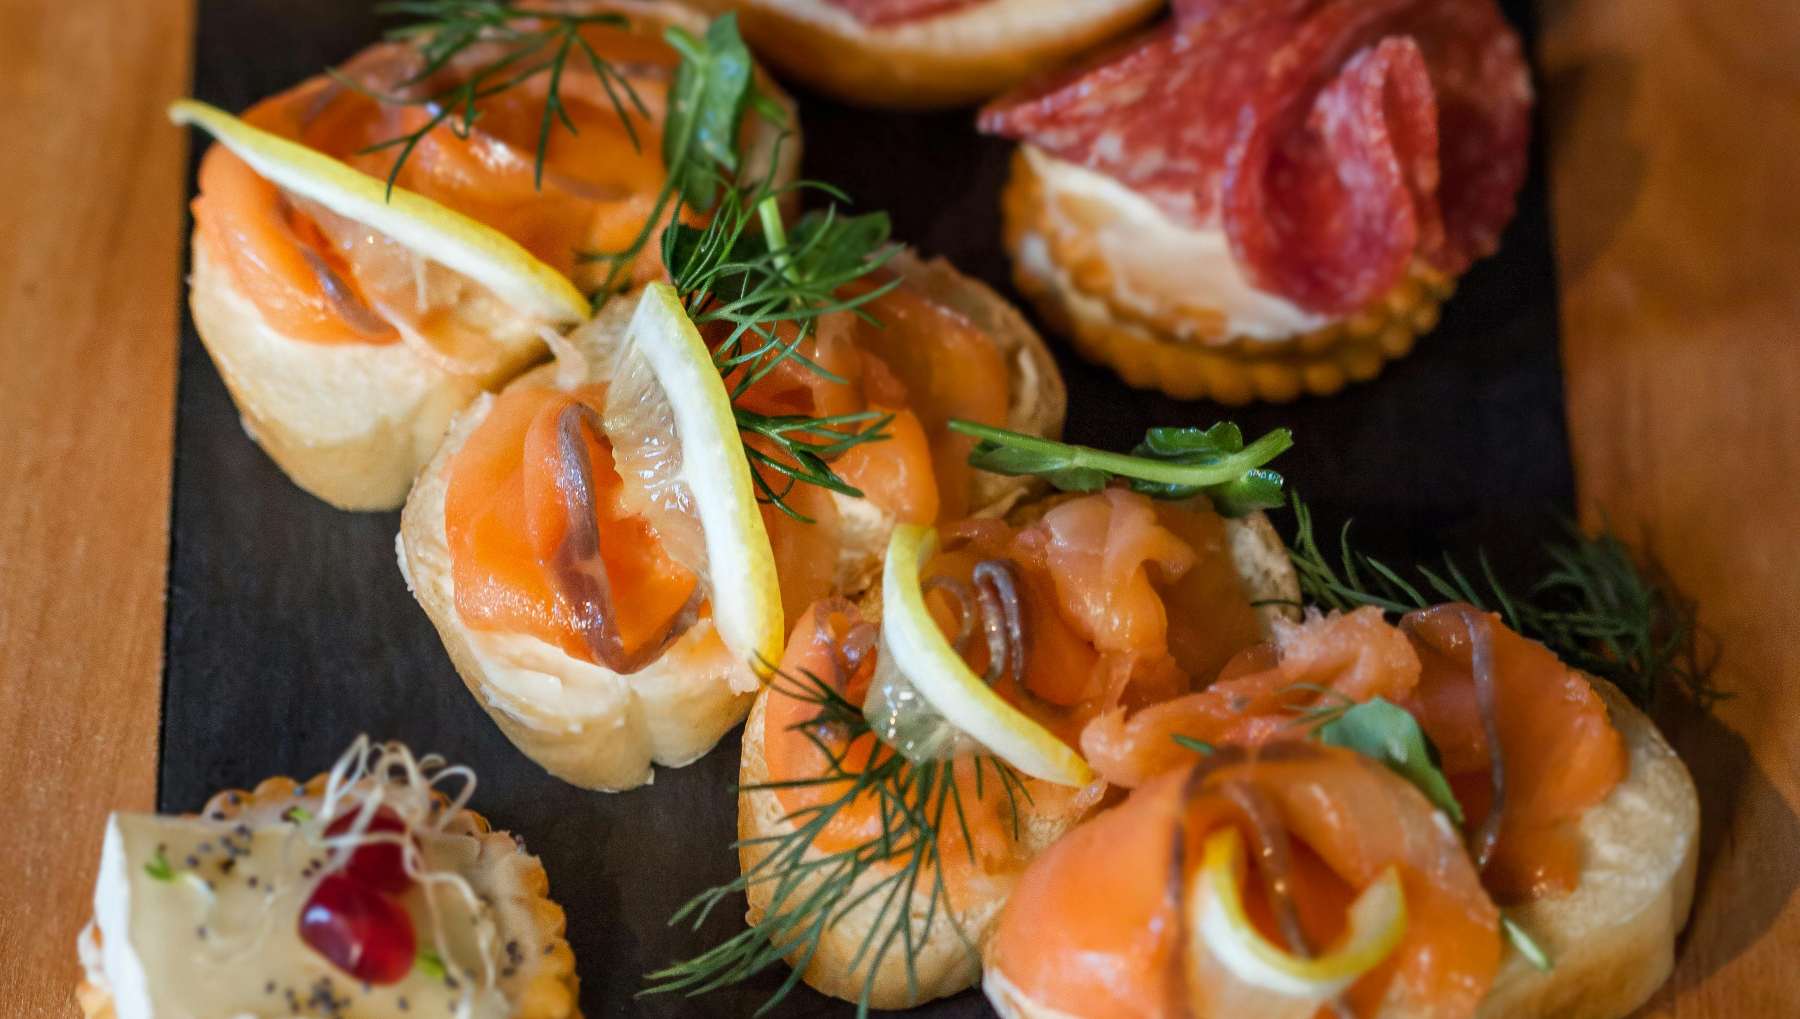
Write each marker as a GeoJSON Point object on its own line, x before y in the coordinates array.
{"type": "Point", "coordinates": [961, 56]}
{"type": "Point", "coordinates": [946, 960]}
{"type": "Point", "coordinates": [1611, 940]}
{"type": "Point", "coordinates": [582, 722]}
{"type": "Point", "coordinates": [1036, 404]}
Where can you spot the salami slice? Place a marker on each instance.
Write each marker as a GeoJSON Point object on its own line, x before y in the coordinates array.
{"type": "Point", "coordinates": [1332, 140]}
{"type": "Point", "coordinates": [894, 12]}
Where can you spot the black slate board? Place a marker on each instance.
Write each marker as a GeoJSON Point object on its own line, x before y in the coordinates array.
{"type": "Point", "coordinates": [290, 630]}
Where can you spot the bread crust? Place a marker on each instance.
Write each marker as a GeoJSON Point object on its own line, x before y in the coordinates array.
{"type": "Point", "coordinates": [952, 59]}
{"type": "Point", "coordinates": [1611, 940]}
{"type": "Point", "coordinates": [549, 988]}
{"type": "Point", "coordinates": [944, 963]}
{"type": "Point", "coordinates": [1181, 345]}
{"type": "Point", "coordinates": [582, 722]}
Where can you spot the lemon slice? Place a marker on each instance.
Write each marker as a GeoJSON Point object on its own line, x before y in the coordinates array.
{"type": "Point", "coordinates": [663, 375]}
{"type": "Point", "coordinates": [435, 231]}
{"type": "Point", "coordinates": [927, 702]}
{"type": "Point", "coordinates": [1241, 972]}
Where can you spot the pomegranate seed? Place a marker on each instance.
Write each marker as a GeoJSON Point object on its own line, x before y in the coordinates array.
{"type": "Point", "coordinates": [377, 865]}
{"type": "Point", "coordinates": [359, 930]}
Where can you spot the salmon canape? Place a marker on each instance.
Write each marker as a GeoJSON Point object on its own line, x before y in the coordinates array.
{"type": "Point", "coordinates": [369, 891]}
{"type": "Point", "coordinates": [589, 546]}
{"type": "Point", "coordinates": [915, 751]}
{"type": "Point", "coordinates": [1563, 805]}
{"type": "Point", "coordinates": [375, 246]}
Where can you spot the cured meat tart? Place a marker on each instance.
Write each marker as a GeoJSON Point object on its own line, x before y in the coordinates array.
{"type": "Point", "coordinates": [1259, 200]}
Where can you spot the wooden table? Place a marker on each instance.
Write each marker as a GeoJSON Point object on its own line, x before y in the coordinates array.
{"type": "Point", "coordinates": [1675, 151]}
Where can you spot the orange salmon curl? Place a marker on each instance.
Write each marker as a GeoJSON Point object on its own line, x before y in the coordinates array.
{"type": "Point", "coordinates": [1558, 752]}
{"type": "Point", "coordinates": [1097, 924]}
{"type": "Point", "coordinates": [319, 279]}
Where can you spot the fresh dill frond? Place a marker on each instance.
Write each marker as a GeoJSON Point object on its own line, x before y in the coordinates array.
{"type": "Point", "coordinates": [1594, 606]}
{"type": "Point", "coordinates": [767, 286]}
{"type": "Point", "coordinates": [812, 891]}
{"type": "Point", "coordinates": [529, 44]}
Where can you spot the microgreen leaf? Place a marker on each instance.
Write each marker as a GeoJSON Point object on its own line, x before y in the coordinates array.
{"type": "Point", "coordinates": [430, 964]}
{"type": "Point", "coordinates": [297, 815]}
{"type": "Point", "coordinates": [1526, 945]}
{"type": "Point", "coordinates": [1388, 733]}
{"type": "Point", "coordinates": [159, 867]}
{"type": "Point", "coordinates": [712, 87]}
{"type": "Point", "coordinates": [1171, 463]}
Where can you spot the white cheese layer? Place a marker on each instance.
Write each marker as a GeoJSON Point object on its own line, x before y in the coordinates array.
{"type": "Point", "coordinates": [1158, 266]}
{"type": "Point", "coordinates": [216, 933]}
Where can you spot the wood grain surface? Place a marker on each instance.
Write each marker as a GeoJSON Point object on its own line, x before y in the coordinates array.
{"type": "Point", "coordinates": [90, 212]}
{"type": "Point", "coordinates": [1675, 148]}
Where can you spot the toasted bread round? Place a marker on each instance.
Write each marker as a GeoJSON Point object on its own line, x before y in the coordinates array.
{"type": "Point", "coordinates": [545, 985]}
{"type": "Point", "coordinates": [582, 722]}
{"type": "Point", "coordinates": [945, 961]}
{"type": "Point", "coordinates": [1165, 307]}
{"type": "Point", "coordinates": [1037, 402]}
{"type": "Point", "coordinates": [1612, 940]}
{"type": "Point", "coordinates": [958, 57]}
{"type": "Point", "coordinates": [353, 423]}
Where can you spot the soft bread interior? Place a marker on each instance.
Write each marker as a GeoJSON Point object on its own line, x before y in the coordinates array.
{"type": "Point", "coordinates": [1611, 940]}
{"type": "Point", "coordinates": [957, 57]}
{"type": "Point", "coordinates": [944, 963]}
{"type": "Point", "coordinates": [580, 721]}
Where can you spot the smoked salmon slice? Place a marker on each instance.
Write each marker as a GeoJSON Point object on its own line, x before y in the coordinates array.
{"type": "Point", "coordinates": [1095, 926]}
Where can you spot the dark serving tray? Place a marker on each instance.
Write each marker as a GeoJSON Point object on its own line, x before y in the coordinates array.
{"type": "Point", "coordinates": [290, 630]}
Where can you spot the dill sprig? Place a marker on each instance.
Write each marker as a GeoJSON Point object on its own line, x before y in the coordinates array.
{"type": "Point", "coordinates": [812, 891]}
{"type": "Point", "coordinates": [531, 43]}
{"type": "Point", "coordinates": [1594, 606]}
{"type": "Point", "coordinates": [769, 285]}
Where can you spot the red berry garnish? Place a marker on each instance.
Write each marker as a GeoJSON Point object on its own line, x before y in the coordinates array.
{"type": "Point", "coordinates": [378, 865]}
{"type": "Point", "coordinates": [359, 930]}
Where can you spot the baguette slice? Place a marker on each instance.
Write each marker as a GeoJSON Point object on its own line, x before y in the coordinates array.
{"type": "Point", "coordinates": [582, 722]}
{"type": "Point", "coordinates": [1611, 940]}
{"type": "Point", "coordinates": [958, 57]}
{"type": "Point", "coordinates": [944, 962]}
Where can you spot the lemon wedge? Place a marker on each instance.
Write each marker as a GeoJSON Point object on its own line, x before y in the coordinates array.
{"type": "Point", "coordinates": [662, 377]}
{"type": "Point", "coordinates": [1240, 972]}
{"type": "Point", "coordinates": [927, 702]}
{"type": "Point", "coordinates": [435, 231]}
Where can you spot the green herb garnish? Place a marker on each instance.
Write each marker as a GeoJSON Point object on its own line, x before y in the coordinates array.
{"type": "Point", "coordinates": [1388, 733]}
{"type": "Point", "coordinates": [531, 43]}
{"type": "Point", "coordinates": [1594, 607]}
{"type": "Point", "coordinates": [1171, 463]}
{"type": "Point", "coordinates": [1525, 944]}
{"type": "Point", "coordinates": [431, 964]}
{"type": "Point", "coordinates": [159, 867]}
{"type": "Point", "coordinates": [1198, 746]}
{"type": "Point", "coordinates": [297, 815]}
{"type": "Point", "coordinates": [748, 272]}
{"type": "Point", "coordinates": [812, 891]}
